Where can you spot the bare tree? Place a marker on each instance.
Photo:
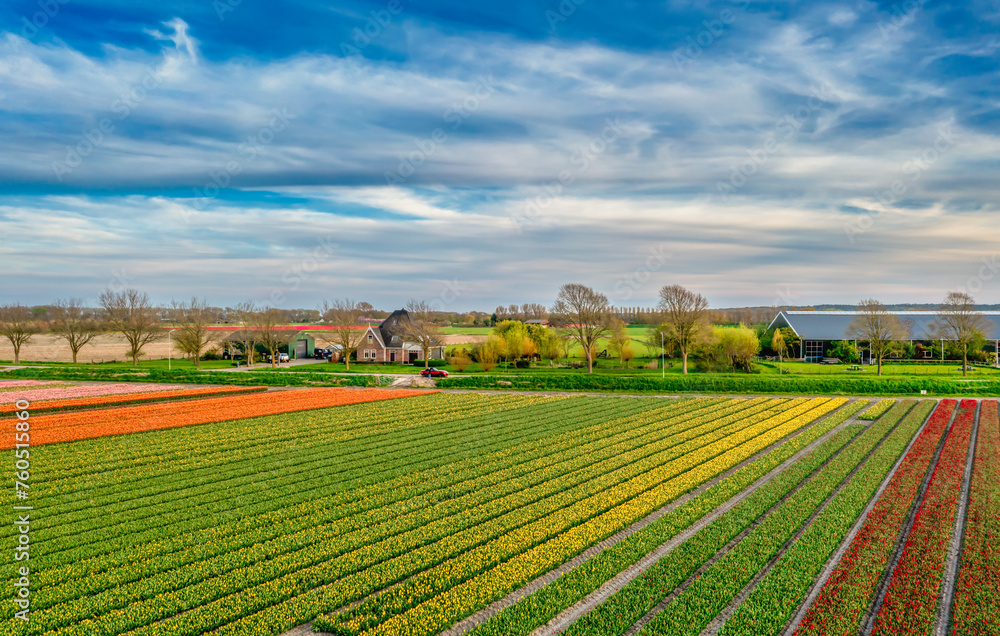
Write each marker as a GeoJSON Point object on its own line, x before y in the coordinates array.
{"type": "Point", "coordinates": [193, 336]}
{"type": "Point", "coordinates": [131, 314]}
{"type": "Point", "coordinates": [883, 331]}
{"type": "Point", "coordinates": [959, 321]}
{"type": "Point", "coordinates": [585, 317]}
{"type": "Point", "coordinates": [245, 314]}
{"type": "Point", "coordinates": [419, 328]}
{"type": "Point", "coordinates": [344, 314]}
{"type": "Point", "coordinates": [685, 319]}
{"type": "Point", "coordinates": [75, 324]}
{"type": "Point", "coordinates": [17, 324]}
{"type": "Point", "coordinates": [267, 324]}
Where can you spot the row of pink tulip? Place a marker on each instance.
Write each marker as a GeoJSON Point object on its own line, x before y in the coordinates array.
{"type": "Point", "coordinates": [90, 390]}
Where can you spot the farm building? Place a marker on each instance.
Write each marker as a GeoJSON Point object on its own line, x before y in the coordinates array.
{"type": "Point", "coordinates": [387, 342]}
{"type": "Point", "coordinates": [817, 330]}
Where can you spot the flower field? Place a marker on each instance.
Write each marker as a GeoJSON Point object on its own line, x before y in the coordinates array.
{"type": "Point", "coordinates": [503, 515]}
{"type": "Point", "coordinates": [876, 410]}
{"type": "Point", "coordinates": [76, 402]}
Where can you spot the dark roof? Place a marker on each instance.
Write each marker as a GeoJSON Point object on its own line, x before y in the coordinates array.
{"type": "Point", "coordinates": [394, 325]}
{"type": "Point", "coordinates": [834, 325]}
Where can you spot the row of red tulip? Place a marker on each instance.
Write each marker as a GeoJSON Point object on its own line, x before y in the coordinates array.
{"type": "Point", "coordinates": [845, 597]}
{"type": "Point", "coordinates": [977, 601]}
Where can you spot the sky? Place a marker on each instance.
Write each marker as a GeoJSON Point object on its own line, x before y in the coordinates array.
{"type": "Point", "coordinates": [474, 154]}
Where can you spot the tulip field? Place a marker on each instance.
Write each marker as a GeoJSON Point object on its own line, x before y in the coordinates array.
{"type": "Point", "coordinates": [355, 513]}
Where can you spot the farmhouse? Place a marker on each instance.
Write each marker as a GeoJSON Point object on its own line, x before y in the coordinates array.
{"type": "Point", "coordinates": [819, 329]}
{"type": "Point", "coordinates": [387, 342]}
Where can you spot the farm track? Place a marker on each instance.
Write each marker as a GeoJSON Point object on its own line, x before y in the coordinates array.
{"type": "Point", "coordinates": [802, 488]}
{"type": "Point", "coordinates": [832, 562]}
{"type": "Point", "coordinates": [868, 621]}
{"type": "Point", "coordinates": [471, 622]}
{"type": "Point", "coordinates": [943, 616]}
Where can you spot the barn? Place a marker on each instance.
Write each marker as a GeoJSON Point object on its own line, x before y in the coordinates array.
{"type": "Point", "coordinates": [818, 330]}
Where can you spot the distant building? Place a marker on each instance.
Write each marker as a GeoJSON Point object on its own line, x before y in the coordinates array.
{"type": "Point", "coordinates": [819, 329]}
{"type": "Point", "coordinates": [387, 342]}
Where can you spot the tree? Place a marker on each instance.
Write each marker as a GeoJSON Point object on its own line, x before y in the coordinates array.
{"type": "Point", "coordinates": [419, 328]}
{"type": "Point", "coordinates": [267, 324]}
{"type": "Point", "coordinates": [685, 321]}
{"type": "Point", "coordinates": [193, 336]}
{"type": "Point", "coordinates": [245, 315]}
{"type": "Point", "coordinates": [344, 314]}
{"type": "Point", "coordinates": [584, 315]}
{"type": "Point", "coordinates": [779, 346]}
{"type": "Point", "coordinates": [75, 324]}
{"type": "Point", "coordinates": [18, 325]}
{"type": "Point", "coordinates": [738, 346]}
{"type": "Point", "coordinates": [130, 313]}
{"type": "Point", "coordinates": [551, 345]}
{"type": "Point", "coordinates": [489, 352]}
{"type": "Point", "coordinates": [620, 344]}
{"type": "Point", "coordinates": [958, 321]}
{"type": "Point", "coordinates": [883, 331]}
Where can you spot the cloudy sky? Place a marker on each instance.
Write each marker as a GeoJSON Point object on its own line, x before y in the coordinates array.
{"type": "Point", "coordinates": [473, 153]}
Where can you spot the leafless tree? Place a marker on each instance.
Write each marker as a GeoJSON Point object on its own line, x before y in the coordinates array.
{"type": "Point", "coordinates": [344, 314]}
{"type": "Point", "coordinates": [130, 313]}
{"type": "Point", "coordinates": [419, 328]}
{"type": "Point", "coordinates": [245, 315]}
{"type": "Point", "coordinates": [75, 324]}
{"type": "Point", "coordinates": [584, 315]}
{"type": "Point", "coordinates": [267, 325]}
{"type": "Point", "coordinates": [685, 319]}
{"type": "Point", "coordinates": [18, 325]}
{"type": "Point", "coordinates": [883, 331]}
{"type": "Point", "coordinates": [193, 337]}
{"type": "Point", "coordinates": [959, 321]}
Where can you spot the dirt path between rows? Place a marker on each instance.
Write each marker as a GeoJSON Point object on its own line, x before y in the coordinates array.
{"type": "Point", "coordinates": [720, 620]}
{"type": "Point", "coordinates": [868, 621]}
{"type": "Point", "coordinates": [595, 598]}
{"type": "Point", "coordinates": [831, 564]}
{"type": "Point", "coordinates": [943, 617]}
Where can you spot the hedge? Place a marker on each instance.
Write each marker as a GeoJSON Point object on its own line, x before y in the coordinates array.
{"type": "Point", "coordinates": [709, 383]}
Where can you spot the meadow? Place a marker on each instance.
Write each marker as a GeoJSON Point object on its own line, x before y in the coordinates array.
{"type": "Point", "coordinates": [373, 512]}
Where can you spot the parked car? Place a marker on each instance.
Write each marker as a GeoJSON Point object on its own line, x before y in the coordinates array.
{"type": "Point", "coordinates": [434, 373]}
{"type": "Point", "coordinates": [321, 354]}
{"type": "Point", "coordinates": [282, 357]}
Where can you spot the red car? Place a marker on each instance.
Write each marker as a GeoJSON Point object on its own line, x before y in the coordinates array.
{"type": "Point", "coordinates": [434, 373]}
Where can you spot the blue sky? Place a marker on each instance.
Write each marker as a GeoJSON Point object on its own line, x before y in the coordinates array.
{"type": "Point", "coordinates": [475, 154]}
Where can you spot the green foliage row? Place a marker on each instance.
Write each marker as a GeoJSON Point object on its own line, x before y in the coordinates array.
{"type": "Point", "coordinates": [630, 604]}
{"type": "Point", "coordinates": [771, 605]}
{"type": "Point", "coordinates": [707, 383]}
{"type": "Point", "coordinates": [540, 607]}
